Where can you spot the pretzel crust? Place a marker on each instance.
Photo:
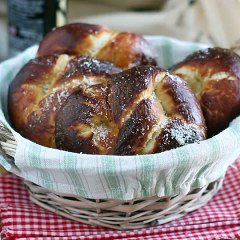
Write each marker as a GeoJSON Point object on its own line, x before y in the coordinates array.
{"type": "Point", "coordinates": [214, 76]}
{"type": "Point", "coordinates": [123, 49]}
{"type": "Point", "coordinates": [139, 111]}
{"type": "Point", "coordinates": [43, 85]}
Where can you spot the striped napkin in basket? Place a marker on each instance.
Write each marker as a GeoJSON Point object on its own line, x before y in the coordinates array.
{"type": "Point", "coordinates": [21, 219]}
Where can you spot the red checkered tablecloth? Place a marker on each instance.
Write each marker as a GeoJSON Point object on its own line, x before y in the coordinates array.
{"type": "Point", "coordinates": [21, 219]}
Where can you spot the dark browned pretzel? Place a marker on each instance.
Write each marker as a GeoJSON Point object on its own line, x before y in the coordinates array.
{"type": "Point", "coordinates": [141, 110]}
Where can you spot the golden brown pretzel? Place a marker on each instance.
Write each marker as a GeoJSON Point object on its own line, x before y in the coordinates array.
{"type": "Point", "coordinates": [124, 49]}
{"type": "Point", "coordinates": [141, 110]}
{"type": "Point", "coordinates": [214, 75]}
{"type": "Point", "coordinates": [42, 86]}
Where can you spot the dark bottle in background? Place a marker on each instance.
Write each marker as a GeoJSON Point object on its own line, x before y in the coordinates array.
{"type": "Point", "coordinates": [30, 20]}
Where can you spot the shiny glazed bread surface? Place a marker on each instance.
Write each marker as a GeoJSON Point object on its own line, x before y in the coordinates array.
{"type": "Point", "coordinates": [139, 111]}
{"type": "Point", "coordinates": [124, 49]}
{"type": "Point", "coordinates": [43, 85]}
{"type": "Point", "coordinates": [214, 76]}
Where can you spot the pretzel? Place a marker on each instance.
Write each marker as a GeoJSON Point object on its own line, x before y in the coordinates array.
{"type": "Point", "coordinates": [214, 76]}
{"type": "Point", "coordinates": [123, 49]}
{"type": "Point", "coordinates": [139, 111]}
{"type": "Point", "coordinates": [43, 85]}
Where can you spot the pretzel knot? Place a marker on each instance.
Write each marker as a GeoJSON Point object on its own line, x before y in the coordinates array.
{"type": "Point", "coordinates": [42, 86]}
{"type": "Point", "coordinates": [123, 49]}
{"type": "Point", "coordinates": [138, 111]}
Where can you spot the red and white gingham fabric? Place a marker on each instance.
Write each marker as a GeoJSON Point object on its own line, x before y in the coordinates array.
{"type": "Point", "coordinates": [21, 219]}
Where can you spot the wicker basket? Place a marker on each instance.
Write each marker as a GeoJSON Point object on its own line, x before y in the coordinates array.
{"type": "Point", "coordinates": [113, 213]}
{"type": "Point", "coordinates": [195, 176]}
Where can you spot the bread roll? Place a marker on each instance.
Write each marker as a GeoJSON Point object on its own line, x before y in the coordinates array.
{"type": "Point", "coordinates": [43, 85]}
{"type": "Point", "coordinates": [139, 111]}
{"type": "Point", "coordinates": [124, 49]}
{"type": "Point", "coordinates": [214, 76]}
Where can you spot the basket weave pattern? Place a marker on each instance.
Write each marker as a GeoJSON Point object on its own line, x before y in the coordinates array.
{"type": "Point", "coordinates": [113, 213]}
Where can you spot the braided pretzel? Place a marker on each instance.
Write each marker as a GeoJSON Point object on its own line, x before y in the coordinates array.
{"type": "Point", "coordinates": [139, 111]}
{"type": "Point", "coordinates": [124, 49]}
{"type": "Point", "coordinates": [214, 75]}
{"type": "Point", "coordinates": [43, 85]}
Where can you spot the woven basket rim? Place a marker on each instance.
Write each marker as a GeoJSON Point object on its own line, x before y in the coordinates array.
{"type": "Point", "coordinates": [116, 214]}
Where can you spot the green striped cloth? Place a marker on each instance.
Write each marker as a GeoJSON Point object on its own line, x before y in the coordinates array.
{"type": "Point", "coordinates": [169, 173]}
